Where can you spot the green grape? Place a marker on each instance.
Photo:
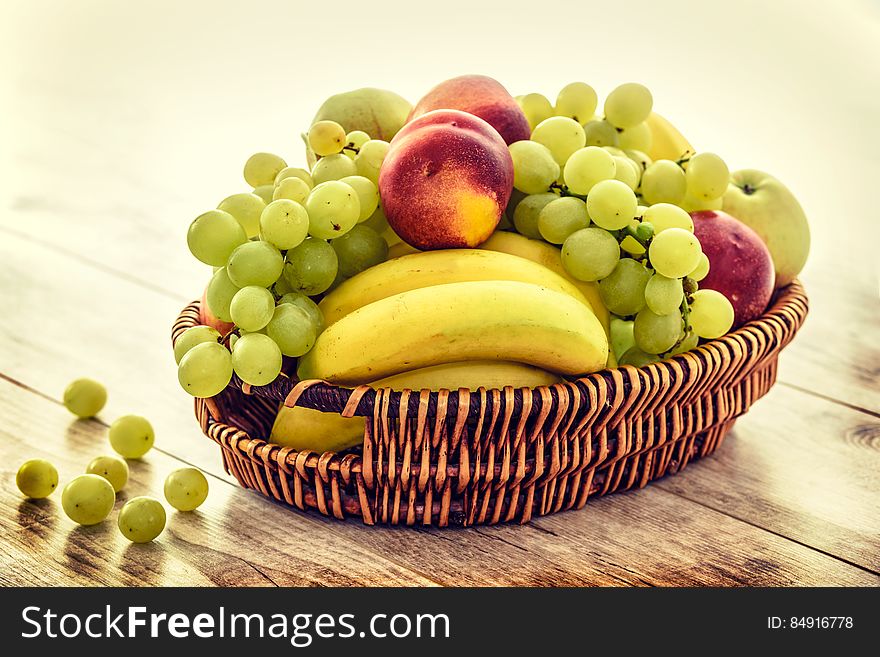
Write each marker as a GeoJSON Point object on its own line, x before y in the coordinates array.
{"type": "Point", "coordinates": [628, 105]}
{"type": "Point", "coordinates": [663, 216]}
{"type": "Point", "coordinates": [326, 138]}
{"type": "Point", "coordinates": [675, 252]}
{"type": "Point", "coordinates": [252, 307]}
{"type": "Point", "coordinates": [334, 208]}
{"type": "Point", "coordinates": [292, 330]}
{"type": "Point", "coordinates": [219, 294]}
{"type": "Point", "coordinates": [377, 221]}
{"type": "Point", "coordinates": [302, 301]}
{"type": "Point", "coordinates": [621, 336]}
{"type": "Point", "coordinates": [186, 489]}
{"type": "Point", "coordinates": [588, 166]}
{"type": "Point", "coordinates": [311, 267]}
{"type": "Point", "coordinates": [629, 243]}
{"type": "Point", "coordinates": [640, 158]}
{"type": "Point", "coordinates": [655, 333]}
{"type": "Point", "coordinates": [367, 193]}
{"type": "Point", "coordinates": [293, 189]}
{"type": "Point", "coordinates": [85, 397]}
{"type": "Point", "coordinates": [663, 182]}
{"type": "Point", "coordinates": [527, 211]}
{"type": "Point", "coordinates": [37, 479]}
{"type": "Point", "coordinates": [612, 204]}
{"type": "Point", "coordinates": [265, 192]}
{"type": "Point", "coordinates": [711, 314]}
{"type": "Point", "coordinates": [663, 295]}
{"type": "Point", "coordinates": [191, 337]}
{"type": "Point", "coordinates": [284, 223]}
{"type": "Point", "coordinates": [141, 519]}
{"type": "Point", "coordinates": [246, 208]}
{"type": "Point", "coordinates": [701, 270]}
{"type": "Point", "coordinates": [623, 290]}
{"type": "Point", "coordinates": [577, 101]}
{"type": "Point", "coordinates": [254, 263]}
{"type": "Point", "coordinates": [690, 341]}
{"type": "Point", "coordinates": [112, 468]}
{"type": "Point", "coordinates": [536, 107]}
{"type": "Point", "coordinates": [212, 236]}
{"type": "Point", "coordinates": [600, 133]}
{"type": "Point", "coordinates": [562, 217]}
{"type": "Point", "coordinates": [294, 172]}
{"type": "Point", "coordinates": [261, 169]}
{"type": "Point", "coordinates": [707, 176]}
{"type": "Point", "coordinates": [590, 254]}
{"type": "Point", "coordinates": [132, 436]}
{"type": "Point", "coordinates": [534, 168]}
{"type": "Point", "coordinates": [281, 287]}
{"type": "Point", "coordinates": [88, 499]}
{"type": "Point", "coordinates": [333, 167]}
{"type": "Point", "coordinates": [256, 359]}
{"type": "Point", "coordinates": [627, 172]}
{"type": "Point", "coordinates": [614, 150]}
{"type": "Point", "coordinates": [360, 248]}
{"type": "Point", "coordinates": [562, 135]}
{"type": "Point", "coordinates": [353, 142]}
{"type": "Point", "coordinates": [369, 159]}
{"type": "Point", "coordinates": [637, 358]}
{"type": "Point", "coordinates": [639, 138]}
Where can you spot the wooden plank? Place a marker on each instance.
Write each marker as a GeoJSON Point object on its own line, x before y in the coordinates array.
{"type": "Point", "coordinates": [235, 538]}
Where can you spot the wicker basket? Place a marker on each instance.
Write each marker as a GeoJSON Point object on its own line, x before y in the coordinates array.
{"type": "Point", "coordinates": [488, 456]}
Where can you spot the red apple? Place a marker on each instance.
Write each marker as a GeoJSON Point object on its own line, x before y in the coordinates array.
{"type": "Point", "coordinates": [740, 266]}
{"type": "Point", "coordinates": [208, 318]}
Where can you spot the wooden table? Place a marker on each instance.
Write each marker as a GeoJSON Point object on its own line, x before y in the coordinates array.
{"type": "Point", "coordinates": [114, 139]}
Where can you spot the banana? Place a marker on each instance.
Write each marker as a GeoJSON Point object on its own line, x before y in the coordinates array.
{"type": "Point", "coordinates": [429, 268]}
{"type": "Point", "coordinates": [308, 429]}
{"type": "Point", "coordinates": [668, 142]}
{"type": "Point", "coordinates": [474, 320]}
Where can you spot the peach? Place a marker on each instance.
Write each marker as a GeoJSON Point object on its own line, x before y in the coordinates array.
{"type": "Point", "coordinates": [207, 318]}
{"type": "Point", "coordinates": [446, 181]}
{"type": "Point", "coordinates": [481, 96]}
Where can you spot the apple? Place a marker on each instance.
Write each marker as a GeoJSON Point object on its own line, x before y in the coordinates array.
{"type": "Point", "coordinates": [764, 204]}
{"type": "Point", "coordinates": [740, 265]}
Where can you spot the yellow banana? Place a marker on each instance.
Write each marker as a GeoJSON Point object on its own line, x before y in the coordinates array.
{"type": "Point", "coordinates": [475, 320]}
{"type": "Point", "coordinates": [305, 428]}
{"type": "Point", "coordinates": [668, 142]}
{"type": "Point", "coordinates": [429, 268]}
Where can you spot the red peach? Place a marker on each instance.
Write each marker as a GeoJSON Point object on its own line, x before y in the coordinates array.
{"type": "Point", "coordinates": [207, 318]}
{"type": "Point", "coordinates": [445, 181]}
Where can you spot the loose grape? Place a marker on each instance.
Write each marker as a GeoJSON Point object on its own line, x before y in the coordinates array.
{"type": "Point", "coordinates": [85, 397]}
{"type": "Point", "coordinates": [655, 333]}
{"type": "Point", "coordinates": [534, 168]}
{"type": "Point", "coordinates": [562, 217]}
{"type": "Point", "coordinates": [370, 158]}
{"type": "Point", "coordinates": [293, 189]}
{"type": "Point", "coordinates": [621, 336]}
{"type": "Point", "coordinates": [577, 101]}
{"type": "Point", "coordinates": [628, 105]}
{"type": "Point", "coordinates": [334, 208]}
{"type": "Point", "coordinates": [527, 211]}
{"type": "Point", "coordinates": [536, 107]}
{"type": "Point", "coordinates": [254, 263]}
{"type": "Point", "coordinates": [262, 168]}
{"type": "Point", "coordinates": [219, 294]}
{"type": "Point", "coordinates": [360, 248]}
{"type": "Point", "coordinates": [311, 267]}
{"type": "Point", "coordinates": [639, 138]}
{"type": "Point", "coordinates": [637, 358]}
{"type": "Point", "coordinates": [663, 182]}
{"type": "Point", "coordinates": [186, 489]}
{"type": "Point", "coordinates": [353, 142]}
{"type": "Point", "coordinates": [611, 204]}
{"type": "Point", "coordinates": [367, 193]}
{"type": "Point", "coordinates": [627, 172]}
{"type": "Point", "coordinates": [701, 270]}
{"type": "Point", "coordinates": [112, 468]}
{"type": "Point", "coordinates": [707, 176]}
{"type": "Point", "coordinates": [88, 499]}
{"type": "Point", "coordinates": [675, 252]}
{"type": "Point", "coordinates": [212, 236]}
{"type": "Point", "coordinates": [711, 314]}
{"type": "Point", "coordinates": [623, 290]}
{"type": "Point", "coordinates": [292, 330]}
{"type": "Point", "coordinates": [663, 295]}
{"type": "Point", "coordinates": [666, 215]}
{"type": "Point", "coordinates": [333, 167]}
{"type": "Point", "coordinates": [587, 167]}
{"type": "Point", "coordinates": [300, 300]}
{"type": "Point", "coordinates": [246, 209]}
{"type": "Point", "coordinates": [590, 254]}
{"type": "Point", "coordinates": [256, 359]}
{"type": "Point", "coordinates": [191, 337]}
{"type": "Point", "coordinates": [284, 223]}
{"type": "Point", "coordinates": [37, 478]}
{"type": "Point", "coordinates": [252, 307]}
{"type": "Point", "coordinates": [326, 138]}
{"type": "Point", "coordinates": [600, 133]}
{"type": "Point", "coordinates": [562, 135]}
{"type": "Point", "coordinates": [132, 436]}
{"type": "Point", "coordinates": [294, 172]}
{"type": "Point", "coordinates": [141, 519]}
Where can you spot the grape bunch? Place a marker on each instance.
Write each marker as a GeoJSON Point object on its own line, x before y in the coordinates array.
{"type": "Point", "coordinates": [297, 235]}
{"type": "Point", "coordinates": [585, 183]}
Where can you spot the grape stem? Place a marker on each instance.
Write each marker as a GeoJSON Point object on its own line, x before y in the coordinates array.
{"type": "Point", "coordinates": [685, 309]}
{"type": "Point", "coordinates": [685, 158]}
{"type": "Point", "coordinates": [563, 190]}
{"type": "Point", "coordinates": [351, 147]}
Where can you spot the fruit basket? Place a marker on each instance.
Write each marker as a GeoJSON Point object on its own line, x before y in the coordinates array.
{"type": "Point", "coordinates": [471, 457]}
